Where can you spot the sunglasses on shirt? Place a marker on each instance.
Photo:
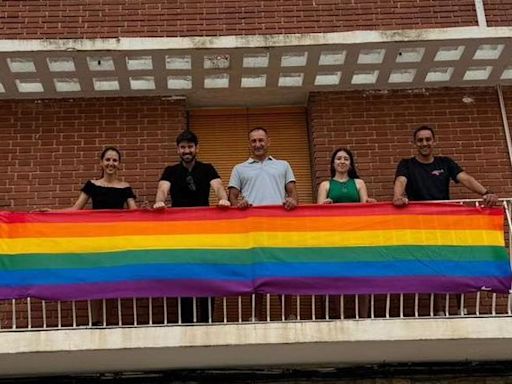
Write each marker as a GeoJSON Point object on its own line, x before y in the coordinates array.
{"type": "Point", "coordinates": [190, 183]}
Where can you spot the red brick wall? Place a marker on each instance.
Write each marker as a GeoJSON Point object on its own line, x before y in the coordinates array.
{"type": "Point", "coordinates": [113, 18]}
{"type": "Point", "coordinates": [50, 148]}
{"type": "Point", "coordinates": [498, 13]}
{"type": "Point", "coordinates": [377, 126]}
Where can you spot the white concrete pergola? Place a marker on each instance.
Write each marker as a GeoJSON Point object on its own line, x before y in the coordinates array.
{"type": "Point", "coordinates": [255, 70]}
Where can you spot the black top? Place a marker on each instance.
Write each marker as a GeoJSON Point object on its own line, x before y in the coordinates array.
{"type": "Point", "coordinates": [428, 181]}
{"type": "Point", "coordinates": [107, 197]}
{"type": "Point", "coordinates": [190, 189]}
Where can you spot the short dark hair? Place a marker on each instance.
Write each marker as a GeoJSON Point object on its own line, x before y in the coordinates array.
{"type": "Point", "coordinates": [114, 149]}
{"type": "Point", "coordinates": [188, 136]}
{"type": "Point", "coordinates": [258, 129]}
{"type": "Point", "coordinates": [423, 128]}
{"type": "Point", "coordinates": [352, 171]}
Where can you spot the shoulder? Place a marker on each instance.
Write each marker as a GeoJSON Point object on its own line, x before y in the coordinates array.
{"type": "Point", "coordinates": [359, 183]}
{"type": "Point", "coordinates": [278, 161]}
{"type": "Point", "coordinates": [406, 160]}
{"type": "Point", "coordinates": [445, 161]}
{"type": "Point", "coordinates": [202, 165]}
{"type": "Point", "coordinates": [241, 166]}
{"type": "Point", "coordinates": [170, 170]}
{"type": "Point", "coordinates": [405, 164]}
{"type": "Point", "coordinates": [89, 187]}
{"type": "Point", "coordinates": [281, 163]}
{"type": "Point", "coordinates": [325, 184]}
{"type": "Point", "coordinates": [124, 184]}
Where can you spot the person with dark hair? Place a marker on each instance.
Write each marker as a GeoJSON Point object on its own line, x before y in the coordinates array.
{"type": "Point", "coordinates": [188, 183]}
{"type": "Point", "coordinates": [263, 180]}
{"type": "Point", "coordinates": [427, 177]}
{"type": "Point", "coordinates": [344, 186]}
{"type": "Point", "coordinates": [107, 192]}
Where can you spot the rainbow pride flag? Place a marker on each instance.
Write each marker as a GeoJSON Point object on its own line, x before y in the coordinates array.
{"type": "Point", "coordinates": [317, 249]}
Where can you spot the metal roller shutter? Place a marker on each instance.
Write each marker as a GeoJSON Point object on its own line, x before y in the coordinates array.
{"type": "Point", "coordinates": [223, 140]}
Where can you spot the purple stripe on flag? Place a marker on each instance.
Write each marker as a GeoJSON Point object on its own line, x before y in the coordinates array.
{"type": "Point", "coordinates": [289, 286]}
{"type": "Point", "coordinates": [145, 288]}
{"type": "Point", "coordinates": [410, 284]}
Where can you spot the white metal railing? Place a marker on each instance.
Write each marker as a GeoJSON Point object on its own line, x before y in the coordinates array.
{"type": "Point", "coordinates": [34, 314]}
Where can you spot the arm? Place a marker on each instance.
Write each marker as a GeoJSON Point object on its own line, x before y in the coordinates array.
{"type": "Point", "coordinates": [234, 189]}
{"type": "Point", "coordinates": [399, 200]}
{"type": "Point", "coordinates": [161, 194]}
{"type": "Point", "coordinates": [323, 192]}
{"type": "Point", "coordinates": [291, 200]}
{"type": "Point", "coordinates": [131, 204]}
{"type": "Point", "coordinates": [470, 183]}
{"type": "Point", "coordinates": [363, 192]}
{"type": "Point", "coordinates": [79, 203]}
{"type": "Point", "coordinates": [234, 194]}
{"type": "Point", "coordinates": [219, 190]}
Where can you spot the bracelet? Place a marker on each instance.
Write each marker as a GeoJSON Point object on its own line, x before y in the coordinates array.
{"type": "Point", "coordinates": [488, 192]}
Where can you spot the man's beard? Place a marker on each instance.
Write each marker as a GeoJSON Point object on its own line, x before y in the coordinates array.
{"type": "Point", "coordinates": [189, 159]}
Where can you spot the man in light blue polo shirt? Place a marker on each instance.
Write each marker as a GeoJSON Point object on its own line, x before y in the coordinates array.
{"type": "Point", "coordinates": [263, 180]}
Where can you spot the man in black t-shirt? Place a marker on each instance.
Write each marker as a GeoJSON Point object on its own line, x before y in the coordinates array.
{"type": "Point", "coordinates": [189, 183]}
{"type": "Point", "coordinates": [427, 177]}
{"type": "Point", "coordinates": [190, 180]}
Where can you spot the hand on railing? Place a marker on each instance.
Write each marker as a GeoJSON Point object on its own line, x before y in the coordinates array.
{"type": "Point", "coordinates": [489, 199]}
{"type": "Point", "coordinates": [243, 204]}
{"type": "Point", "coordinates": [289, 203]}
{"type": "Point", "coordinates": [400, 201]}
{"type": "Point", "coordinates": [223, 203]}
{"type": "Point", "coordinates": [159, 205]}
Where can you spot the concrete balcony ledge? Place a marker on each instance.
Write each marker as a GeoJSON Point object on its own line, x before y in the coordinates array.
{"type": "Point", "coordinates": [283, 344]}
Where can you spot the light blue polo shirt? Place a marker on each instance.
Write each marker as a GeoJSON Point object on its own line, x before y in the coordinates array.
{"type": "Point", "coordinates": [262, 182]}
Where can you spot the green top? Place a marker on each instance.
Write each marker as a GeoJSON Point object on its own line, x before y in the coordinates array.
{"type": "Point", "coordinates": [343, 191]}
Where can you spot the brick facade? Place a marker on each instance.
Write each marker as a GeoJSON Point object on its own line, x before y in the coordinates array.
{"type": "Point", "coordinates": [377, 126]}
{"type": "Point", "coordinates": [498, 13]}
{"type": "Point", "coordinates": [51, 147]}
{"type": "Point", "coordinates": [74, 19]}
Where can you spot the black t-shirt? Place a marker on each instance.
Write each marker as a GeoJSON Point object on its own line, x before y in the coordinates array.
{"type": "Point", "coordinates": [428, 181]}
{"type": "Point", "coordinates": [107, 197]}
{"type": "Point", "coordinates": [190, 189]}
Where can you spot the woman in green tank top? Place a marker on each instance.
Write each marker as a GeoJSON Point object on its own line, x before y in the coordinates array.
{"type": "Point", "coordinates": [345, 186]}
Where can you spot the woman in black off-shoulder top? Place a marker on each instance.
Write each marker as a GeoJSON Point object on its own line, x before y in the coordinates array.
{"type": "Point", "coordinates": [108, 192]}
